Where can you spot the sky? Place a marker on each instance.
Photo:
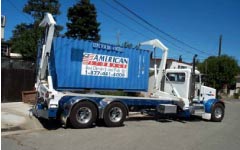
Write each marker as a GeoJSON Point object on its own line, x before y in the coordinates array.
{"type": "Point", "coordinates": [187, 27]}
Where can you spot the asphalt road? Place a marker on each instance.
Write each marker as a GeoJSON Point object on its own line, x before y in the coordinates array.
{"type": "Point", "coordinates": [140, 134]}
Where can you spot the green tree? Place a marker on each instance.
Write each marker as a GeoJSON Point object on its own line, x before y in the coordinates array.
{"type": "Point", "coordinates": [127, 45]}
{"type": "Point", "coordinates": [38, 8]}
{"type": "Point", "coordinates": [221, 71]}
{"type": "Point", "coordinates": [83, 23]}
{"type": "Point", "coordinates": [23, 41]}
{"type": "Point", "coordinates": [25, 36]}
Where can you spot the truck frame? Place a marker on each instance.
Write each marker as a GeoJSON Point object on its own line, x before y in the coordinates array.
{"type": "Point", "coordinates": [176, 91]}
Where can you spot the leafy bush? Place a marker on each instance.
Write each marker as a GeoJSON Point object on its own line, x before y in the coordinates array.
{"type": "Point", "coordinates": [236, 95]}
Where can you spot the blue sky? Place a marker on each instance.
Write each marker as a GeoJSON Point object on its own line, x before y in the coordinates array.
{"type": "Point", "coordinates": [198, 23]}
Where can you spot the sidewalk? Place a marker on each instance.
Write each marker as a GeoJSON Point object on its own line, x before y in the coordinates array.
{"type": "Point", "coordinates": [17, 117]}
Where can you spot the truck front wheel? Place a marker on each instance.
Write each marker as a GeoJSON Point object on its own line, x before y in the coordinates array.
{"type": "Point", "coordinates": [115, 114]}
{"type": "Point", "coordinates": [83, 115]}
{"type": "Point", "coordinates": [217, 112]}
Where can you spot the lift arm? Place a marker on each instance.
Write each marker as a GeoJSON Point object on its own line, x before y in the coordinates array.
{"type": "Point", "coordinates": [162, 66]}
{"type": "Point", "coordinates": [49, 23]}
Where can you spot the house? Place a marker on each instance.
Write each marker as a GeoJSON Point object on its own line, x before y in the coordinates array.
{"type": "Point", "coordinates": [5, 45]}
{"type": "Point", "coordinates": [171, 64]}
{"type": "Point", "coordinates": [237, 88]}
{"type": "Point", "coordinates": [3, 23]}
{"type": "Point", "coordinates": [5, 48]}
{"type": "Point", "coordinates": [238, 82]}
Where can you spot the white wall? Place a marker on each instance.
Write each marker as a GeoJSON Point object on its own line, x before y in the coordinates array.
{"type": "Point", "coordinates": [178, 65]}
{"type": "Point", "coordinates": [237, 85]}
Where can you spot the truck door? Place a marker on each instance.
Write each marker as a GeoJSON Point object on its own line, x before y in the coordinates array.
{"type": "Point", "coordinates": [178, 80]}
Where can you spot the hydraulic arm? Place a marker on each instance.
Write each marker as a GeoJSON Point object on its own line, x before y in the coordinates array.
{"type": "Point", "coordinates": [162, 66]}
{"type": "Point", "coordinates": [49, 23]}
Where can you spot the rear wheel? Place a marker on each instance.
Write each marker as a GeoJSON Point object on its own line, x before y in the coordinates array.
{"type": "Point", "coordinates": [83, 115]}
{"type": "Point", "coordinates": [217, 112]}
{"type": "Point", "coordinates": [115, 114]}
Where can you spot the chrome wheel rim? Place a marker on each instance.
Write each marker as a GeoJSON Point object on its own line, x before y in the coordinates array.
{"type": "Point", "coordinates": [115, 114]}
{"type": "Point", "coordinates": [218, 112]}
{"type": "Point", "coordinates": [84, 115]}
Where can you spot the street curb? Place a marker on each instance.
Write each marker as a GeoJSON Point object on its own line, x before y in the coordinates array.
{"type": "Point", "coordinates": [10, 103]}
{"type": "Point", "coordinates": [13, 128]}
{"type": "Point", "coordinates": [20, 131]}
{"type": "Point", "coordinates": [27, 122]}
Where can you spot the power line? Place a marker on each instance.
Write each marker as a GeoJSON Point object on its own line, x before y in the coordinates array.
{"type": "Point", "coordinates": [145, 21]}
{"type": "Point", "coordinates": [123, 24]}
{"type": "Point", "coordinates": [11, 3]}
{"type": "Point", "coordinates": [156, 28]}
{"type": "Point", "coordinates": [131, 18]}
{"type": "Point", "coordinates": [126, 26]}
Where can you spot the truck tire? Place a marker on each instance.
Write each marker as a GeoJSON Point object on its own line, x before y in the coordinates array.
{"type": "Point", "coordinates": [217, 113]}
{"type": "Point", "coordinates": [83, 115]}
{"type": "Point", "coordinates": [115, 114]}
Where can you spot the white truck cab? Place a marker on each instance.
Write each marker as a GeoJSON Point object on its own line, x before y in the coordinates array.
{"type": "Point", "coordinates": [181, 80]}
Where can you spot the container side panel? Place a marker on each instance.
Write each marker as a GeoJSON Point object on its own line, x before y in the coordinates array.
{"type": "Point", "coordinates": [78, 64]}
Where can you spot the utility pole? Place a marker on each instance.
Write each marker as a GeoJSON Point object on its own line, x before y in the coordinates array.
{"type": "Point", "coordinates": [180, 58]}
{"type": "Point", "coordinates": [219, 54]}
{"type": "Point", "coordinates": [118, 37]}
{"type": "Point", "coordinates": [220, 46]}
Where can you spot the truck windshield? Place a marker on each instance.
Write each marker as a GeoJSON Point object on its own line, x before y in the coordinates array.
{"type": "Point", "coordinates": [176, 77]}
